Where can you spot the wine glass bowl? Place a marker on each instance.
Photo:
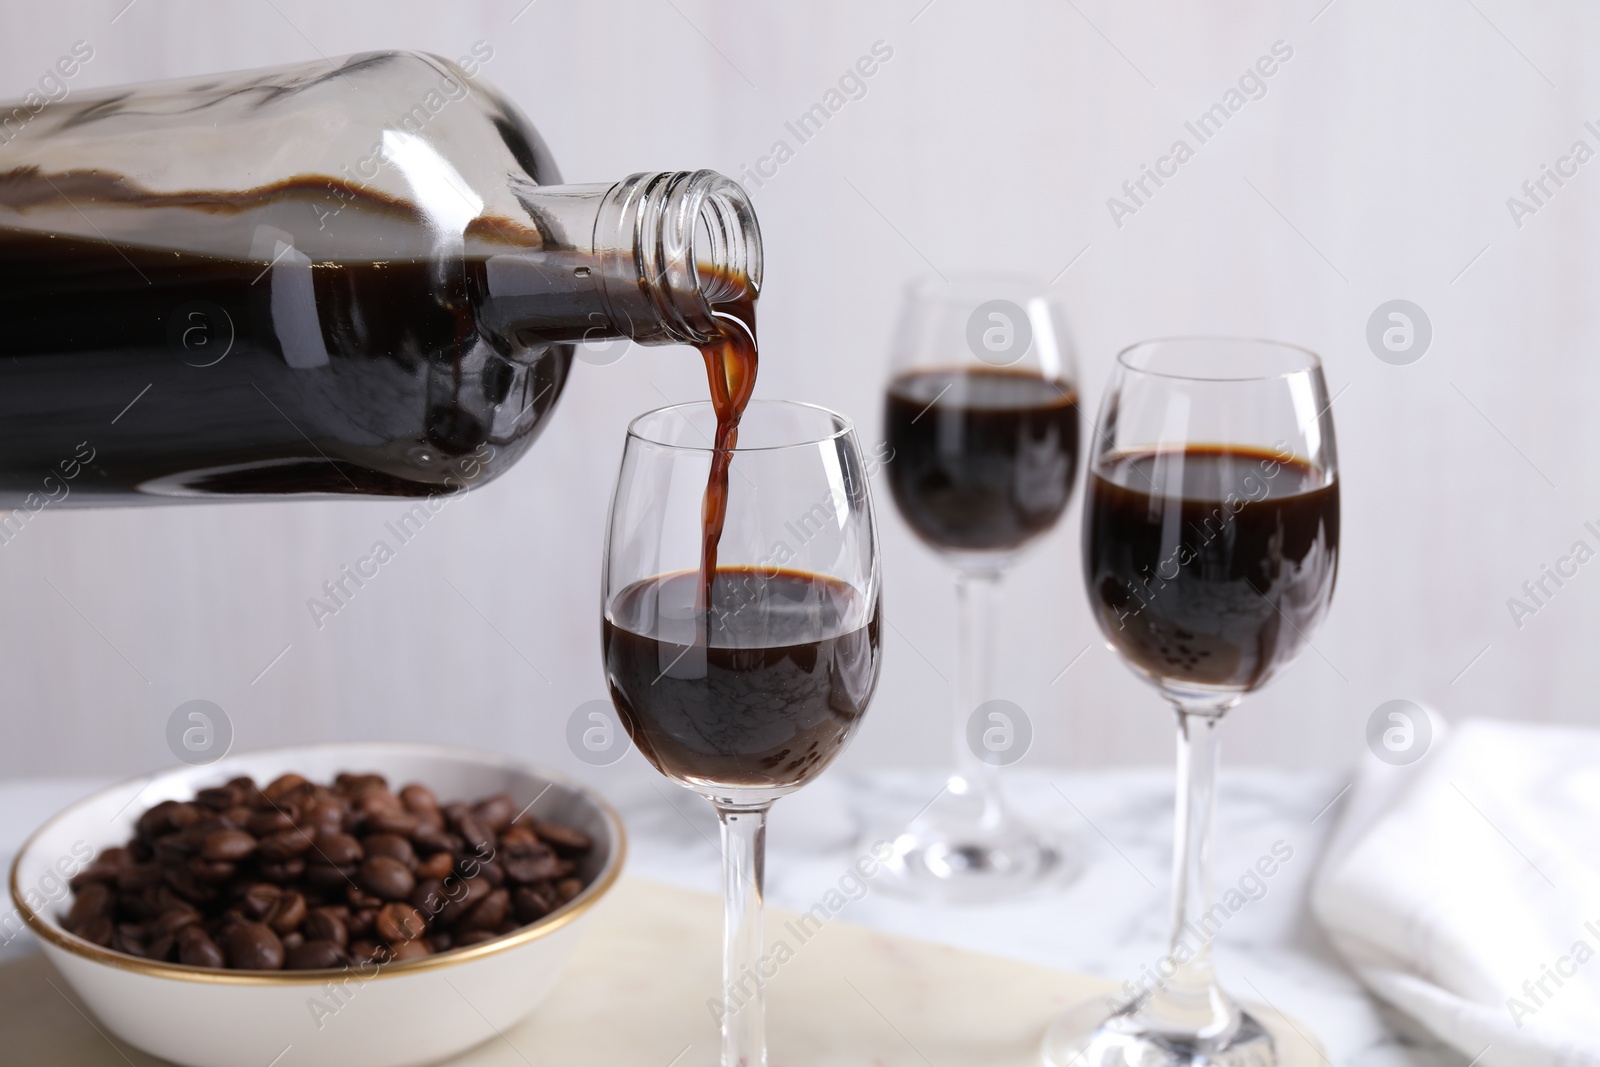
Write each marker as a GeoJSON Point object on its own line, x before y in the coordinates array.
{"type": "Point", "coordinates": [1210, 551]}
{"type": "Point", "coordinates": [982, 415]}
{"type": "Point", "coordinates": [1211, 528]}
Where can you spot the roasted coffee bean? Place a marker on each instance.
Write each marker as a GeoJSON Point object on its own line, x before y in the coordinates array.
{"type": "Point", "coordinates": [361, 922]}
{"type": "Point", "coordinates": [229, 845]}
{"type": "Point", "coordinates": [285, 844]}
{"type": "Point", "coordinates": [347, 782]}
{"type": "Point", "coordinates": [370, 798]}
{"type": "Point", "coordinates": [437, 866]}
{"type": "Point", "coordinates": [562, 838]}
{"type": "Point", "coordinates": [473, 937]}
{"type": "Point", "coordinates": [386, 877]}
{"type": "Point", "coordinates": [429, 896]}
{"type": "Point", "coordinates": [239, 816]}
{"type": "Point", "coordinates": [291, 941]}
{"type": "Point", "coordinates": [250, 795]}
{"type": "Point", "coordinates": [439, 941]}
{"type": "Point", "coordinates": [95, 900]}
{"type": "Point", "coordinates": [430, 842]}
{"type": "Point", "coordinates": [400, 922]}
{"type": "Point", "coordinates": [323, 924]}
{"type": "Point", "coordinates": [463, 897]}
{"type": "Point", "coordinates": [418, 799]}
{"type": "Point", "coordinates": [217, 797]}
{"type": "Point", "coordinates": [411, 950]}
{"type": "Point", "coordinates": [161, 948]}
{"type": "Point", "coordinates": [257, 900]}
{"type": "Point", "coordinates": [493, 872]}
{"type": "Point", "coordinates": [402, 823]}
{"type": "Point", "coordinates": [325, 813]}
{"type": "Point", "coordinates": [186, 885]}
{"type": "Point", "coordinates": [392, 845]}
{"type": "Point", "coordinates": [269, 822]}
{"type": "Point", "coordinates": [495, 813]}
{"type": "Point", "coordinates": [139, 876]}
{"type": "Point", "coordinates": [166, 817]}
{"type": "Point", "coordinates": [477, 837]}
{"type": "Point", "coordinates": [363, 951]}
{"type": "Point", "coordinates": [357, 898]}
{"type": "Point", "coordinates": [330, 879]}
{"type": "Point", "coordinates": [339, 849]}
{"type": "Point", "coordinates": [174, 919]}
{"type": "Point", "coordinates": [519, 838]}
{"type": "Point", "coordinates": [254, 947]}
{"type": "Point", "coordinates": [532, 904]}
{"type": "Point", "coordinates": [288, 913]}
{"type": "Point", "coordinates": [489, 913]}
{"type": "Point", "coordinates": [282, 786]}
{"type": "Point", "coordinates": [106, 867]}
{"type": "Point", "coordinates": [568, 888]}
{"type": "Point", "coordinates": [211, 872]}
{"type": "Point", "coordinates": [532, 865]}
{"type": "Point", "coordinates": [197, 949]}
{"type": "Point", "coordinates": [174, 848]}
{"type": "Point", "coordinates": [287, 871]}
{"type": "Point", "coordinates": [312, 955]}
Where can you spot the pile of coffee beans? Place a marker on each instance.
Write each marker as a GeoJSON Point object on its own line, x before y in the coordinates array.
{"type": "Point", "coordinates": [296, 875]}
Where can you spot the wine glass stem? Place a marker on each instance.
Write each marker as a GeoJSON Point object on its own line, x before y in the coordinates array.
{"type": "Point", "coordinates": [1190, 1002]}
{"type": "Point", "coordinates": [743, 1014]}
{"type": "Point", "coordinates": [977, 597]}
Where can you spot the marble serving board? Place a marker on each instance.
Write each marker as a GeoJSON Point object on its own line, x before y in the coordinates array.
{"type": "Point", "coordinates": [639, 990]}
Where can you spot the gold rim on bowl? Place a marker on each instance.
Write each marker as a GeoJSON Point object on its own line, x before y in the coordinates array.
{"type": "Point", "coordinates": [47, 929]}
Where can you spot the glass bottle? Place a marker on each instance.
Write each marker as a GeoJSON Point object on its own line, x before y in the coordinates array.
{"type": "Point", "coordinates": [358, 277]}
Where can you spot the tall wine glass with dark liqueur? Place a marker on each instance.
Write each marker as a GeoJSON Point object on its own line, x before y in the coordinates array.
{"type": "Point", "coordinates": [741, 632]}
{"type": "Point", "coordinates": [982, 419]}
{"type": "Point", "coordinates": [1210, 545]}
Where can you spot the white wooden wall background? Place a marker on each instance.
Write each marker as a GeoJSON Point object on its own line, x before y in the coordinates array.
{"type": "Point", "coordinates": [1376, 166]}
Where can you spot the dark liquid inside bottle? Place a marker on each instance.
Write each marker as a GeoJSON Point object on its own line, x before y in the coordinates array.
{"type": "Point", "coordinates": [1207, 566]}
{"type": "Point", "coordinates": [190, 374]}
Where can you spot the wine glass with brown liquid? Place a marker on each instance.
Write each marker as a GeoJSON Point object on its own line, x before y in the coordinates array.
{"type": "Point", "coordinates": [741, 631]}
{"type": "Point", "coordinates": [1210, 547]}
{"type": "Point", "coordinates": [981, 417]}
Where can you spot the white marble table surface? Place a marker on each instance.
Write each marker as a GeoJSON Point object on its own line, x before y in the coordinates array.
{"type": "Point", "coordinates": [1110, 921]}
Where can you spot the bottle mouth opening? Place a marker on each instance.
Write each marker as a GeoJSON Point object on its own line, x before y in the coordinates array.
{"type": "Point", "coordinates": [685, 243]}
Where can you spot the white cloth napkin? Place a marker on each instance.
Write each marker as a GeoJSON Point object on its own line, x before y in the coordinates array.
{"type": "Point", "coordinates": [1465, 890]}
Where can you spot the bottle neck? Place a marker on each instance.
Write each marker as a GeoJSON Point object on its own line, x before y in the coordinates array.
{"type": "Point", "coordinates": [650, 258]}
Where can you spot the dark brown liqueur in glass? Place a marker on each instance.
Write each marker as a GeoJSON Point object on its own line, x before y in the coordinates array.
{"type": "Point", "coordinates": [984, 459]}
{"type": "Point", "coordinates": [763, 690]}
{"type": "Point", "coordinates": [1208, 565]}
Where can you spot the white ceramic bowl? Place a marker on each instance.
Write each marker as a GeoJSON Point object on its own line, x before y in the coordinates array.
{"type": "Point", "coordinates": [397, 1015]}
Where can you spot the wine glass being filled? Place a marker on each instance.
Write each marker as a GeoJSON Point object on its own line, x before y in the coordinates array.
{"type": "Point", "coordinates": [742, 664]}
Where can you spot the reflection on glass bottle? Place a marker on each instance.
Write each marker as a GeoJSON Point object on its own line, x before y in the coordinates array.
{"type": "Point", "coordinates": [364, 279]}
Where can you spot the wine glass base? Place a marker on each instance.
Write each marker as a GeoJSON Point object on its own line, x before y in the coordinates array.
{"type": "Point", "coordinates": [975, 868]}
{"type": "Point", "coordinates": [1084, 1037]}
